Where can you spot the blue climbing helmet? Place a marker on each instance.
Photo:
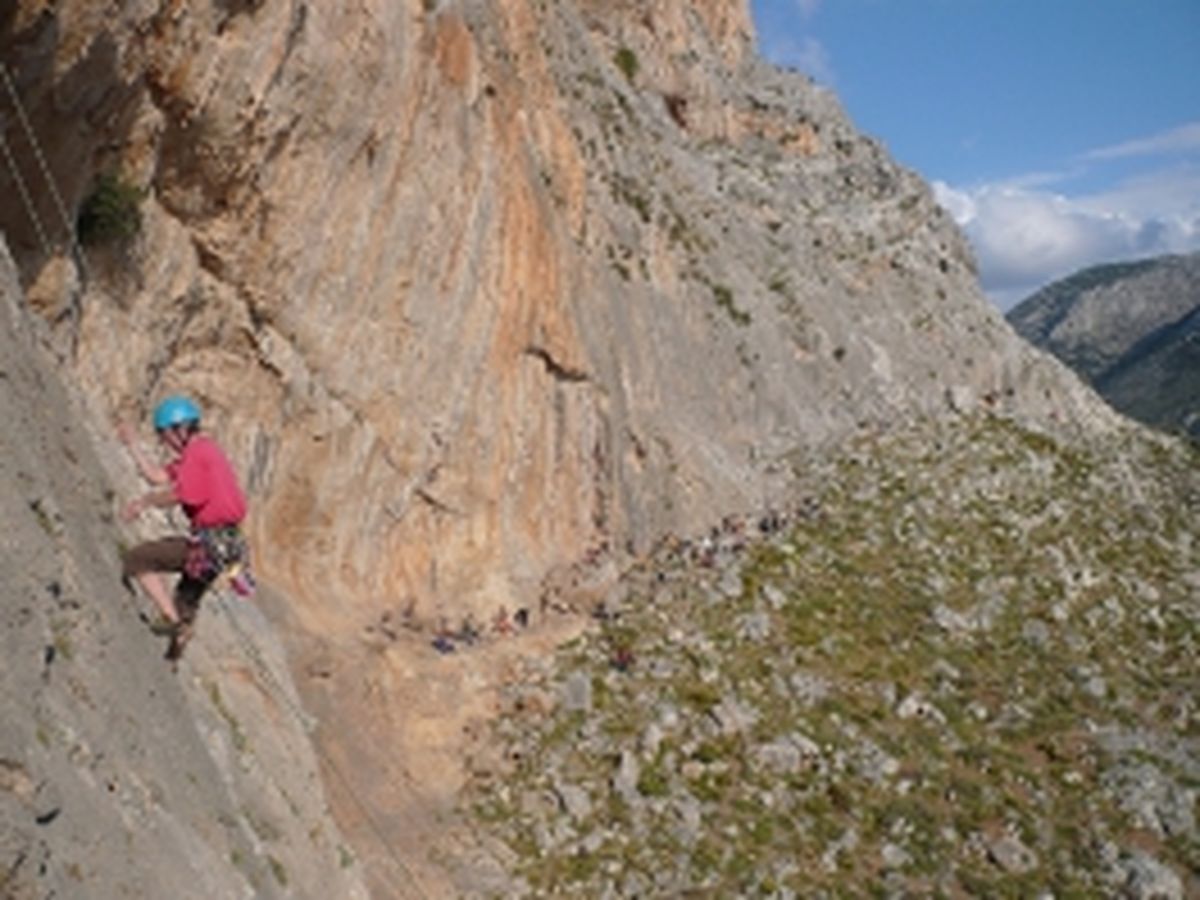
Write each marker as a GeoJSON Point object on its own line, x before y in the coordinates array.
{"type": "Point", "coordinates": [176, 411]}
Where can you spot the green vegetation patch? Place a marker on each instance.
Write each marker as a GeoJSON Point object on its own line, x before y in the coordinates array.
{"type": "Point", "coordinates": [626, 60]}
{"type": "Point", "coordinates": [111, 213]}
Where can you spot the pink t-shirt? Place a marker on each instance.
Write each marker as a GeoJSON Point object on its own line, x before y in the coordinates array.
{"type": "Point", "coordinates": [206, 485]}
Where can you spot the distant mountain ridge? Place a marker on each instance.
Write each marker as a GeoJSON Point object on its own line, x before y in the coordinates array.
{"type": "Point", "coordinates": [1132, 330]}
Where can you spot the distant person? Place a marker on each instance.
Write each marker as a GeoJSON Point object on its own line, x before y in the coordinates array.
{"type": "Point", "coordinates": [200, 479]}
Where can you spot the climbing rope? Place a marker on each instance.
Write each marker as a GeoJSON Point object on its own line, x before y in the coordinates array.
{"type": "Point", "coordinates": [40, 158]}
{"type": "Point", "coordinates": [24, 192]}
{"type": "Point", "coordinates": [223, 599]}
{"type": "Point", "coordinates": [73, 306]}
{"type": "Point", "coordinates": [274, 685]}
{"type": "Point", "coordinates": [226, 602]}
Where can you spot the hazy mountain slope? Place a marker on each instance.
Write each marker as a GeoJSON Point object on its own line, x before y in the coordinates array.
{"type": "Point", "coordinates": [118, 778]}
{"type": "Point", "coordinates": [1130, 329]}
{"type": "Point", "coordinates": [1052, 317]}
{"type": "Point", "coordinates": [1158, 380]}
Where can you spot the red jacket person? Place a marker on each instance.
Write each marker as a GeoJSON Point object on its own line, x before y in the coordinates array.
{"type": "Point", "coordinates": [200, 479]}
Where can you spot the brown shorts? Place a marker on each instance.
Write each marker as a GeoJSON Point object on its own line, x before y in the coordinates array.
{"type": "Point", "coordinates": [166, 555]}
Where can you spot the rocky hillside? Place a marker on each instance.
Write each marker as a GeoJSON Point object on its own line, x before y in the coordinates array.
{"type": "Point", "coordinates": [955, 662]}
{"type": "Point", "coordinates": [117, 778]}
{"type": "Point", "coordinates": [1132, 330]}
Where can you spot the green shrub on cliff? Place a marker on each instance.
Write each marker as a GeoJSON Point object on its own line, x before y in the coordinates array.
{"type": "Point", "coordinates": [111, 213]}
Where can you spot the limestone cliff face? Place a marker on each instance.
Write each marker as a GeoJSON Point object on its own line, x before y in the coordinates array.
{"type": "Point", "coordinates": [475, 290]}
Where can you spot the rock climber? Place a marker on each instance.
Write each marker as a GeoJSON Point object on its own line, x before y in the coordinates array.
{"type": "Point", "coordinates": [200, 479]}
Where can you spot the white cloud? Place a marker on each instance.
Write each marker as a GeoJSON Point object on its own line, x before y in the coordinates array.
{"type": "Point", "coordinates": [1171, 192]}
{"type": "Point", "coordinates": [1026, 233]}
{"type": "Point", "coordinates": [1026, 237]}
{"type": "Point", "coordinates": [1184, 139]}
{"type": "Point", "coordinates": [808, 8]}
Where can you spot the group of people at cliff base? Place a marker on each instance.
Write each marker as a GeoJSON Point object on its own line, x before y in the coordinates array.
{"type": "Point", "coordinates": [446, 640]}
{"type": "Point", "coordinates": [199, 479]}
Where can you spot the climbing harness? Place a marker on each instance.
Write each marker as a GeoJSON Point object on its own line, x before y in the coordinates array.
{"type": "Point", "coordinates": [215, 551]}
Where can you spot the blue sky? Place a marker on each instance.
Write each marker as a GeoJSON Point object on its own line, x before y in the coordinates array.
{"type": "Point", "coordinates": [1059, 133]}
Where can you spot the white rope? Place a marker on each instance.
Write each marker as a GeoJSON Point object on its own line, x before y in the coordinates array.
{"type": "Point", "coordinates": [24, 192]}
{"type": "Point", "coordinates": [273, 684]}
{"type": "Point", "coordinates": [74, 304]}
{"type": "Point", "coordinates": [40, 157]}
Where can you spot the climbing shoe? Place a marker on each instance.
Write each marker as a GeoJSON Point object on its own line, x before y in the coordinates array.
{"type": "Point", "coordinates": [164, 627]}
{"type": "Point", "coordinates": [179, 640]}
